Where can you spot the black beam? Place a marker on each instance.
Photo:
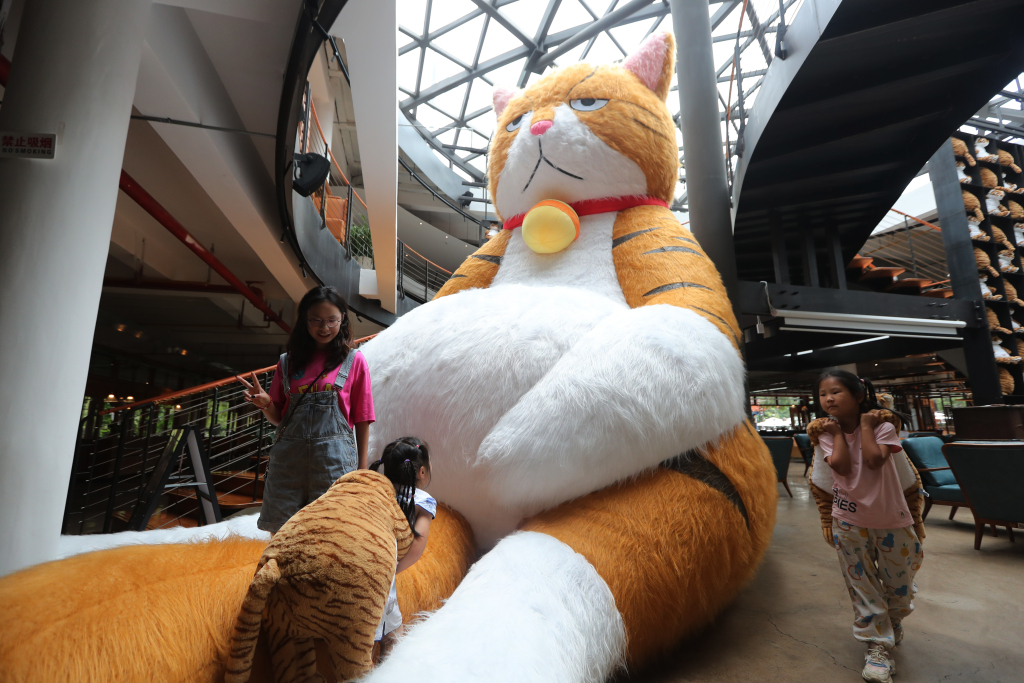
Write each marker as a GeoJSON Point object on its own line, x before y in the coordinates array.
{"type": "Point", "coordinates": [810, 255]}
{"type": "Point", "coordinates": [780, 259]}
{"type": "Point", "coordinates": [836, 259]}
{"type": "Point", "coordinates": [963, 274]}
{"type": "Point", "coordinates": [759, 358]}
{"type": "Point", "coordinates": [751, 300]}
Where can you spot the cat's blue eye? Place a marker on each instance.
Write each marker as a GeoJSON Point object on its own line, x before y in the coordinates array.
{"type": "Point", "coordinates": [587, 104]}
{"type": "Point", "coordinates": [515, 123]}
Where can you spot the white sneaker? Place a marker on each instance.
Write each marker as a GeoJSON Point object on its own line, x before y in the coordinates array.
{"type": "Point", "coordinates": [878, 665]}
{"type": "Point", "coordinates": [897, 631]}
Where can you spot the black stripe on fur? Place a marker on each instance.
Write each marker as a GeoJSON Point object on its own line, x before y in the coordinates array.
{"type": "Point", "coordinates": [625, 238]}
{"type": "Point", "coordinates": [696, 466]}
{"type": "Point", "coordinates": [662, 250]}
{"type": "Point", "coordinates": [675, 285]}
{"type": "Point", "coordinates": [489, 258]}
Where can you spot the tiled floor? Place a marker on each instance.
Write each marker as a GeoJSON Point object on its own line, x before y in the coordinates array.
{"type": "Point", "coordinates": [792, 623]}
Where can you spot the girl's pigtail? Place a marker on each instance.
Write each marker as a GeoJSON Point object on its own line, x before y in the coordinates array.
{"type": "Point", "coordinates": [376, 465]}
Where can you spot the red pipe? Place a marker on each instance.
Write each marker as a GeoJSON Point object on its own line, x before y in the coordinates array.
{"type": "Point", "coordinates": [146, 201]}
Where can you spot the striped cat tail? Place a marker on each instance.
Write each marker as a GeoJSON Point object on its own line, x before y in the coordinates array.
{"type": "Point", "coordinates": [250, 618]}
{"type": "Point", "coordinates": [477, 271]}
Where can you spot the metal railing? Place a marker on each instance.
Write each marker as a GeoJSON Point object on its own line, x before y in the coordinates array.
{"type": "Point", "coordinates": [418, 277]}
{"type": "Point", "coordinates": [118, 449]}
{"type": "Point", "coordinates": [114, 460]}
{"type": "Point", "coordinates": [334, 201]}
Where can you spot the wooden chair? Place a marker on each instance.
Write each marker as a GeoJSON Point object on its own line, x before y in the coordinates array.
{"type": "Point", "coordinates": [780, 449]}
{"type": "Point", "coordinates": [991, 476]}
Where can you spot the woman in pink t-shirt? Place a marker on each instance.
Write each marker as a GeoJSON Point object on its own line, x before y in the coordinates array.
{"type": "Point", "coordinates": [872, 527]}
{"type": "Point", "coordinates": [322, 402]}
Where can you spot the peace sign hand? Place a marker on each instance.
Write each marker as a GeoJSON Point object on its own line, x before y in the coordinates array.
{"type": "Point", "coordinates": [254, 393]}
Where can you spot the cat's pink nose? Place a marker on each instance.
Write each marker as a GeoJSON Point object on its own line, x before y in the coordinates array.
{"type": "Point", "coordinates": [541, 127]}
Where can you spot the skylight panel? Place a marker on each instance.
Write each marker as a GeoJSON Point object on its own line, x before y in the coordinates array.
{"type": "Point", "coordinates": [444, 12]}
{"type": "Point", "coordinates": [603, 51]}
{"type": "Point", "coordinates": [408, 67]}
{"type": "Point", "coordinates": [498, 41]}
{"type": "Point", "coordinates": [437, 68]}
{"type": "Point", "coordinates": [431, 118]}
{"type": "Point", "coordinates": [461, 42]}
{"type": "Point", "coordinates": [480, 96]}
{"type": "Point", "coordinates": [447, 137]}
{"type": "Point", "coordinates": [569, 15]}
{"type": "Point", "coordinates": [410, 14]}
{"type": "Point", "coordinates": [526, 14]}
{"type": "Point", "coordinates": [451, 101]}
{"type": "Point", "coordinates": [631, 35]}
{"type": "Point", "coordinates": [507, 75]}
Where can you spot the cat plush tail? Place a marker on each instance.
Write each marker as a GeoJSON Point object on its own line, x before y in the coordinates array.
{"type": "Point", "coordinates": [250, 618]}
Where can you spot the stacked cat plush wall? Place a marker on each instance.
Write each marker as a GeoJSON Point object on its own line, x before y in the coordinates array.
{"type": "Point", "coordinates": [993, 192]}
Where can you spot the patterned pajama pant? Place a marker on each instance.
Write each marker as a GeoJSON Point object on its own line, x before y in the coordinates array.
{"type": "Point", "coordinates": [879, 567]}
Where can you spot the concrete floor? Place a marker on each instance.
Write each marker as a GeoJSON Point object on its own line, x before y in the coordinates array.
{"type": "Point", "coordinates": [792, 623]}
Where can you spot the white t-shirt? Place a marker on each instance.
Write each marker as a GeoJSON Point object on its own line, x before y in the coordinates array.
{"type": "Point", "coordinates": [392, 618]}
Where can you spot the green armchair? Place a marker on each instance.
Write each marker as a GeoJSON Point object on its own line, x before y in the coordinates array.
{"type": "Point", "coordinates": [780, 448]}
{"type": "Point", "coordinates": [803, 443]}
{"type": "Point", "coordinates": [936, 476]}
{"type": "Point", "coordinates": [991, 475]}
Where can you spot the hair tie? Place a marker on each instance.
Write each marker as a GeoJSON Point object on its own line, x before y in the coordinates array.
{"type": "Point", "coordinates": [407, 460]}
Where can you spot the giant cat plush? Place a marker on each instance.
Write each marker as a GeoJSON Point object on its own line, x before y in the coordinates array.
{"type": "Point", "coordinates": [585, 408]}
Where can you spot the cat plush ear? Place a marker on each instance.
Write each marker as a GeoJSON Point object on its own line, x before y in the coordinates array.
{"type": "Point", "coordinates": [502, 96]}
{"type": "Point", "coordinates": [653, 63]}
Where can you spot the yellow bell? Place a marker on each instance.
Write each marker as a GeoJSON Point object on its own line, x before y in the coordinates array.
{"type": "Point", "coordinates": [550, 226]}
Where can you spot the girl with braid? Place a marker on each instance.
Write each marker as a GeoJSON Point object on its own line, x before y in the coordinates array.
{"type": "Point", "coordinates": [872, 526]}
{"type": "Point", "coordinates": [409, 459]}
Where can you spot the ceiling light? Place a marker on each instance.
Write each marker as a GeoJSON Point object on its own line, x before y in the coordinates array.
{"type": "Point", "coordinates": [110, 397]}
{"type": "Point", "coordinates": [131, 398]}
{"type": "Point", "coordinates": [119, 328]}
{"type": "Point", "coordinates": [819, 321]}
{"type": "Point", "coordinates": [184, 352]}
{"type": "Point", "coordinates": [177, 407]}
{"type": "Point", "coordinates": [138, 335]}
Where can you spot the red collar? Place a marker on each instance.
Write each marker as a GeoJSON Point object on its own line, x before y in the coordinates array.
{"type": "Point", "coordinates": [589, 207]}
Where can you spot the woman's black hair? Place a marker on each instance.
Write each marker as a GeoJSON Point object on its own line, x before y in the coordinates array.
{"type": "Point", "coordinates": [402, 460]}
{"type": "Point", "coordinates": [302, 346]}
{"type": "Point", "coordinates": [856, 386]}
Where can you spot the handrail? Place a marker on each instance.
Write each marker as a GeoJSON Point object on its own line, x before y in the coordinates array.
{"type": "Point", "coordinates": [163, 398]}
{"type": "Point", "coordinates": [919, 220]}
{"type": "Point", "coordinates": [316, 120]}
{"type": "Point", "coordinates": [408, 248]}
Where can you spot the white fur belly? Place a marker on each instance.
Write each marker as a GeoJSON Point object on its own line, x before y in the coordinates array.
{"type": "Point", "coordinates": [448, 371]}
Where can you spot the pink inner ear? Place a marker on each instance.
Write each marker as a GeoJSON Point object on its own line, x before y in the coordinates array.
{"type": "Point", "coordinates": [648, 60]}
{"type": "Point", "coordinates": [502, 96]}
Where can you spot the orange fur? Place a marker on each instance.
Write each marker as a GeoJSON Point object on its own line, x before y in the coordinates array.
{"type": "Point", "coordinates": [134, 613]}
{"type": "Point", "coordinates": [641, 267]}
{"type": "Point", "coordinates": [435, 576]}
{"type": "Point", "coordinates": [476, 272]}
{"type": "Point", "coordinates": [635, 122]}
{"type": "Point", "coordinates": [671, 577]}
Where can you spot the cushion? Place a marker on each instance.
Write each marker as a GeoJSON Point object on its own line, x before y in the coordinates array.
{"type": "Point", "coordinates": [926, 452]}
{"type": "Point", "coordinates": [950, 493]}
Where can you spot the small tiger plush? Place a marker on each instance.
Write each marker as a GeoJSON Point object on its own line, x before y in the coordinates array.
{"type": "Point", "coordinates": [988, 293]}
{"type": "Point", "coordinates": [993, 322]}
{"type": "Point", "coordinates": [1011, 294]}
{"type": "Point", "coordinates": [1016, 211]}
{"type": "Point", "coordinates": [1000, 237]}
{"type": "Point", "coordinates": [325, 575]}
{"type": "Point", "coordinates": [1001, 354]}
{"type": "Point", "coordinates": [981, 151]}
{"type": "Point", "coordinates": [972, 205]}
{"type": "Point", "coordinates": [993, 205]}
{"type": "Point", "coordinates": [988, 178]}
{"type": "Point", "coordinates": [1006, 159]}
{"type": "Point", "coordinates": [961, 174]}
{"type": "Point", "coordinates": [984, 263]}
{"type": "Point", "coordinates": [1006, 379]}
{"type": "Point", "coordinates": [1006, 262]}
{"type": "Point", "coordinates": [960, 150]}
{"type": "Point", "coordinates": [974, 227]}
{"type": "Point", "coordinates": [1018, 234]}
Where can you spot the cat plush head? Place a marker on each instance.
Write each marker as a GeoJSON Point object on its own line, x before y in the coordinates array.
{"type": "Point", "coordinates": [980, 142]}
{"type": "Point", "coordinates": [996, 193]}
{"type": "Point", "coordinates": [587, 132]}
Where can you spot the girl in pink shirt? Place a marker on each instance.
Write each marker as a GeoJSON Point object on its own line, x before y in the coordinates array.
{"type": "Point", "coordinates": [321, 401]}
{"type": "Point", "coordinates": [872, 528]}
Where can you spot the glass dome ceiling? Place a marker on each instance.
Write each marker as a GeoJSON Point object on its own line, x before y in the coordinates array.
{"type": "Point", "coordinates": [456, 51]}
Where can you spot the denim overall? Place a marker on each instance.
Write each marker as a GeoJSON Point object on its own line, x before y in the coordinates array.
{"type": "Point", "coordinates": [314, 446]}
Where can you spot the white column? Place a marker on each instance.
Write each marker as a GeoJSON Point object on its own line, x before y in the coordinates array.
{"type": "Point", "coordinates": [73, 74]}
{"type": "Point", "coordinates": [370, 31]}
